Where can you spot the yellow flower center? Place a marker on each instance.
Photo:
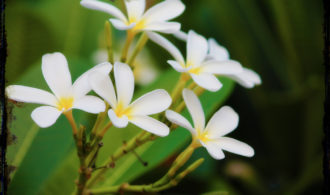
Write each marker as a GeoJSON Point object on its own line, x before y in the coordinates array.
{"type": "Point", "coordinates": [202, 136]}
{"type": "Point", "coordinates": [120, 110]}
{"type": "Point", "coordinates": [65, 103]}
{"type": "Point", "coordinates": [193, 70]}
{"type": "Point", "coordinates": [139, 24]}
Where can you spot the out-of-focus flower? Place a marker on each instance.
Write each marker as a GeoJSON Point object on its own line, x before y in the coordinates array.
{"type": "Point", "coordinates": [154, 19]}
{"type": "Point", "coordinates": [224, 121]}
{"type": "Point", "coordinates": [247, 78]}
{"type": "Point", "coordinates": [122, 111]}
{"type": "Point", "coordinates": [144, 71]}
{"type": "Point", "coordinates": [201, 69]}
{"type": "Point", "coordinates": [66, 95]}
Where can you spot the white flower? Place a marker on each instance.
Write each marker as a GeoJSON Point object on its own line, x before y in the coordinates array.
{"type": "Point", "coordinates": [154, 19]}
{"type": "Point", "coordinates": [201, 69]}
{"type": "Point", "coordinates": [247, 78]}
{"type": "Point", "coordinates": [122, 111]}
{"type": "Point", "coordinates": [224, 121]}
{"type": "Point", "coordinates": [66, 95]}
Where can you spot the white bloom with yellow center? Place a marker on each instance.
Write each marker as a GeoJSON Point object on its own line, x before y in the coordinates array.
{"type": "Point", "coordinates": [66, 95]}
{"type": "Point", "coordinates": [201, 69]}
{"type": "Point", "coordinates": [247, 78]}
{"type": "Point", "coordinates": [154, 19]}
{"type": "Point", "coordinates": [224, 121]}
{"type": "Point", "coordinates": [122, 111]}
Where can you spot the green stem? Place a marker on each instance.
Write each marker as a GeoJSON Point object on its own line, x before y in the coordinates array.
{"type": "Point", "coordinates": [139, 46]}
{"type": "Point", "coordinates": [129, 39]}
{"type": "Point", "coordinates": [108, 39]}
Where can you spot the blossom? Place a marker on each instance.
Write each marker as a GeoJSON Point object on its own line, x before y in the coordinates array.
{"type": "Point", "coordinates": [201, 69]}
{"type": "Point", "coordinates": [247, 77]}
{"type": "Point", "coordinates": [224, 121]}
{"type": "Point", "coordinates": [66, 95]}
{"type": "Point", "coordinates": [122, 111]}
{"type": "Point", "coordinates": [154, 19]}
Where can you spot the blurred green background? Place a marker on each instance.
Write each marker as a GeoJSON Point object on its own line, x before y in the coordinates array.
{"type": "Point", "coordinates": [282, 40]}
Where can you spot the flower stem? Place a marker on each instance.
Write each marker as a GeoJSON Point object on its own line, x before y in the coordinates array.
{"type": "Point", "coordinates": [139, 46]}
{"type": "Point", "coordinates": [108, 39]}
{"type": "Point", "coordinates": [176, 93]}
{"type": "Point", "coordinates": [129, 39]}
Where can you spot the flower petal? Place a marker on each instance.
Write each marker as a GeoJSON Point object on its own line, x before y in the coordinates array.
{"type": "Point", "coordinates": [90, 104]}
{"type": "Point", "coordinates": [160, 40]}
{"type": "Point", "coordinates": [217, 51]}
{"type": "Point", "coordinates": [81, 86]}
{"type": "Point", "coordinates": [195, 108]}
{"type": "Point", "coordinates": [224, 121]}
{"type": "Point", "coordinates": [164, 27]}
{"type": "Point", "coordinates": [103, 7]}
{"type": "Point", "coordinates": [124, 83]}
{"type": "Point", "coordinates": [45, 116]}
{"type": "Point", "coordinates": [151, 125]}
{"type": "Point", "coordinates": [207, 81]}
{"type": "Point", "coordinates": [120, 25]}
{"type": "Point", "coordinates": [178, 119]}
{"type": "Point", "coordinates": [117, 122]}
{"type": "Point", "coordinates": [102, 85]}
{"type": "Point", "coordinates": [56, 73]}
{"type": "Point", "coordinates": [214, 150]}
{"type": "Point", "coordinates": [181, 35]}
{"type": "Point", "coordinates": [151, 103]}
{"type": "Point", "coordinates": [235, 146]}
{"type": "Point", "coordinates": [247, 78]}
{"type": "Point", "coordinates": [178, 66]}
{"type": "Point", "coordinates": [30, 95]}
{"type": "Point", "coordinates": [196, 48]}
{"type": "Point", "coordinates": [222, 67]}
{"type": "Point", "coordinates": [135, 8]}
{"type": "Point", "coordinates": [164, 11]}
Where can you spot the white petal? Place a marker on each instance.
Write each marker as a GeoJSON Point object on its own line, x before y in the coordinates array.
{"type": "Point", "coordinates": [151, 103]}
{"type": "Point", "coordinates": [164, 27]}
{"type": "Point", "coordinates": [124, 83]}
{"type": "Point", "coordinates": [207, 81]}
{"type": "Point", "coordinates": [30, 95]}
{"type": "Point", "coordinates": [56, 73]}
{"type": "Point", "coordinates": [214, 150]}
{"type": "Point", "coordinates": [116, 121]}
{"type": "Point", "coordinates": [216, 51]}
{"type": "Point", "coordinates": [102, 85]}
{"type": "Point", "coordinates": [181, 35]}
{"type": "Point", "coordinates": [160, 40]}
{"type": "Point", "coordinates": [104, 7]}
{"type": "Point", "coordinates": [81, 86]}
{"type": "Point", "coordinates": [227, 67]}
{"type": "Point", "coordinates": [151, 125]}
{"type": "Point", "coordinates": [135, 8]}
{"type": "Point", "coordinates": [45, 116]}
{"type": "Point", "coordinates": [224, 121]}
{"type": "Point", "coordinates": [90, 104]}
{"type": "Point", "coordinates": [164, 11]}
{"type": "Point", "coordinates": [196, 48]}
{"type": "Point", "coordinates": [178, 119]}
{"type": "Point", "coordinates": [120, 25]}
{"type": "Point", "coordinates": [247, 78]}
{"type": "Point", "coordinates": [235, 146]}
{"type": "Point", "coordinates": [195, 108]}
{"type": "Point", "coordinates": [178, 66]}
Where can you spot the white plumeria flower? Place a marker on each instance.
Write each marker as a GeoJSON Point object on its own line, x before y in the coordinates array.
{"type": "Point", "coordinates": [201, 69]}
{"type": "Point", "coordinates": [247, 78]}
{"type": "Point", "coordinates": [122, 111]}
{"type": "Point", "coordinates": [66, 95]}
{"type": "Point", "coordinates": [154, 19]}
{"type": "Point", "coordinates": [224, 121]}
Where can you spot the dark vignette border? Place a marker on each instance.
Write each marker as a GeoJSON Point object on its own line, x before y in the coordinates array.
{"type": "Point", "coordinates": [3, 55]}
{"type": "Point", "coordinates": [326, 119]}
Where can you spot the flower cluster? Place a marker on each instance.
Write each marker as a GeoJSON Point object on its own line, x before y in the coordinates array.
{"type": "Point", "coordinates": [205, 60]}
